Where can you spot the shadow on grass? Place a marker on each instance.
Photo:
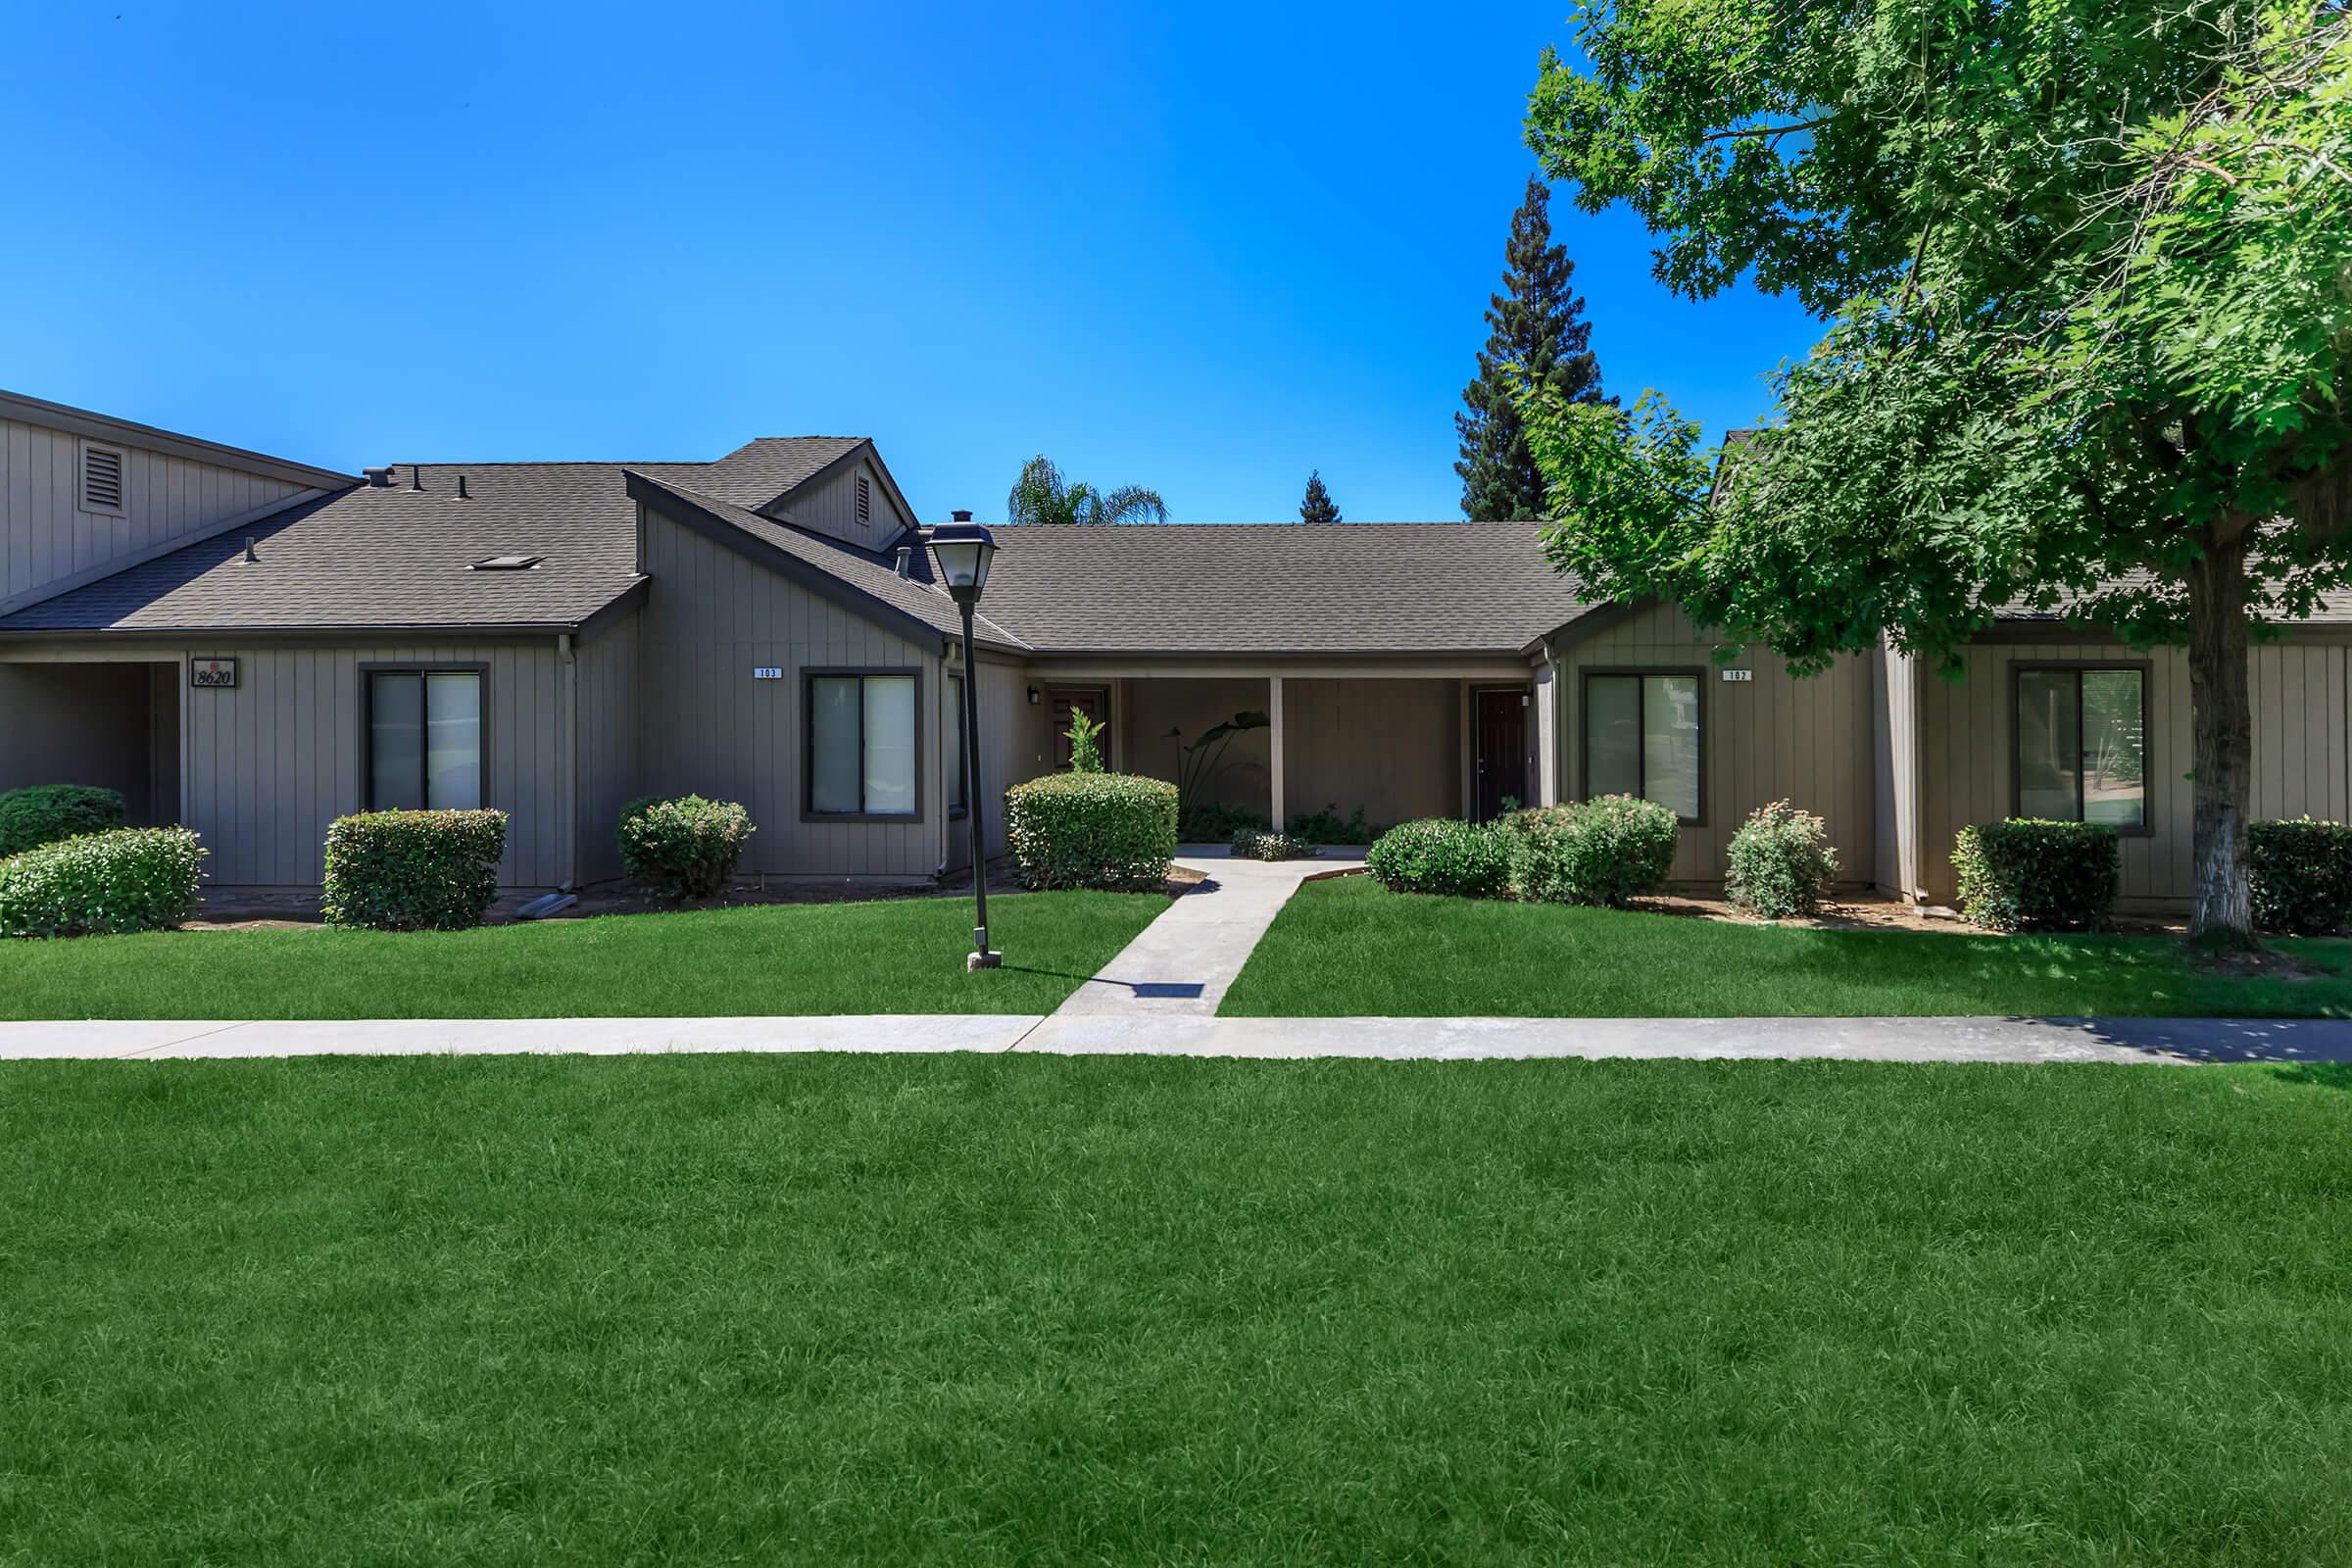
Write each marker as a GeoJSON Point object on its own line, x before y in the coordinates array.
{"type": "Point", "coordinates": [2317, 1074]}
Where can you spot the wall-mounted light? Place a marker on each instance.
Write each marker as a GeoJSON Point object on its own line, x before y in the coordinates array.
{"type": "Point", "coordinates": [1035, 697]}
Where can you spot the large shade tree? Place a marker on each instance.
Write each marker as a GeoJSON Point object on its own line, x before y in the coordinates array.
{"type": "Point", "coordinates": [2087, 274]}
{"type": "Point", "coordinates": [1042, 494]}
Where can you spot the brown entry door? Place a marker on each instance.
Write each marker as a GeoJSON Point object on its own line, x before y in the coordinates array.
{"type": "Point", "coordinates": [1094, 703]}
{"type": "Point", "coordinates": [1500, 763]}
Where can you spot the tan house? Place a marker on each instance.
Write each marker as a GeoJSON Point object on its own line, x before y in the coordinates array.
{"type": "Point", "coordinates": [255, 647]}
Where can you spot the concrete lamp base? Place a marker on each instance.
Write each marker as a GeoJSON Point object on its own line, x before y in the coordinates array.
{"type": "Point", "coordinates": [983, 960]}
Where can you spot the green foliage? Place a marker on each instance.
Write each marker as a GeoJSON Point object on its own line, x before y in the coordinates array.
{"type": "Point", "coordinates": [685, 847]}
{"type": "Point", "coordinates": [128, 879]}
{"type": "Point", "coordinates": [2026, 874]}
{"type": "Point", "coordinates": [1781, 862]}
{"type": "Point", "coordinates": [413, 871]}
{"type": "Point", "coordinates": [1535, 334]}
{"type": "Point", "coordinates": [2084, 267]}
{"type": "Point", "coordinates": [1198, 767]}
{"type": "Point", "coordinates": [44, 814]}
{"type": "Point", "coordinates": [1214, 822]}
{"type": "Point", "coordinates": [1327, 826]}
{"type": "Point", "coordinates": [2302, 875]}
{"type": "Point", "coordinates": [1441, 856]}
{"type": "Point", "coordinates": [1318, 507]}
{"type": "Point", "coordinates": [1259, 843]}
{"type": "Point", "coordinates": [1606, 850]}
{"type": "Point", "coordinates": [1042, 494]}
{"type": "Point", "coordinates": [1112, 831]}
{"type": "Point", "coordinates": [1086, 748]}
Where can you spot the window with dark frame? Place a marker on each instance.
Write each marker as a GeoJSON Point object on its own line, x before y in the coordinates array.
{"type": "Point", "coordinates": [861, 749]}
{"type": "Point", "coordinates": [959, 787]}
{"type": "Point", "coordinates": [2081, 744]}
{"type": "Point", "coordinates": [425, 740]}
{"type": "Point", "coordinates": [1642, 737]}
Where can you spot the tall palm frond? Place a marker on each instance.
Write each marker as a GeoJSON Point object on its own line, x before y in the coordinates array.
{"type": "Point", "coordinates": [1129, 502]}
{"type": "Point", "coordinates": [1041, 494]}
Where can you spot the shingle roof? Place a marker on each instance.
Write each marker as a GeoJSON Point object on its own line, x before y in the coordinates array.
{"type": "Point", "coordinates": [916, 596]}
{"type": "Point", "coordinates": [397, 556]}
{"type": "Point", "coordinates": [1335, 588]}
{"type": "Point", "coordinates": [762, 472]}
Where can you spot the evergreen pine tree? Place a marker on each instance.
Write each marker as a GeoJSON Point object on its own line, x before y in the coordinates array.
{"type": "Point", "coordinates": [1318, 506]}
{"type": "Point", "coordinates": [1537, 320]}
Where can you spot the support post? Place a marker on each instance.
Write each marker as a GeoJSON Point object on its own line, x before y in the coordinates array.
{"type": "Point", "coordinates": [982, 956]}
{"type": "Point", "coordinates": [1274, 725]}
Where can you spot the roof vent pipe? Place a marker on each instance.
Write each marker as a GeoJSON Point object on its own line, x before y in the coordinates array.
{"type": "Point", "coordinates": [416, 475]}
{"type": "Point", "coordinates": [250, 553]}
{"type": "Point", "coordinates": [906, 561]}
{"type": "Point", "coordinates": [378, 478]}
{"type": "Point", "coordinates": [462, 494]}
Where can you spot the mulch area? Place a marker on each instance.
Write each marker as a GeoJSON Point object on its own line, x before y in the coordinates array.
{"type": "Point", "coordinates": [282, 908]}
{"type": "Point", "coordinates": [1872, 913]}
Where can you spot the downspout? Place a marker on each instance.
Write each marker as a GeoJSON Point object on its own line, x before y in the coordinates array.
{"type": "Point", "coordinates": [568, 656]}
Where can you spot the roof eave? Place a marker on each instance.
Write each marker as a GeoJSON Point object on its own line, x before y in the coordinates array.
{"type": "Point", "coordinates": [105, 427]}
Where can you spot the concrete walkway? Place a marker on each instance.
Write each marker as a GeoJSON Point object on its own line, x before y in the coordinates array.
{"type": "Point", "coordinates": [1180, 966]}
{"type": "Point", "coordinates": [1988, 1040]}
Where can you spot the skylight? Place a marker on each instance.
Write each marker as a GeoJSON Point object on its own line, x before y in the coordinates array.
{"type": "Point", "coordinates": [508, 563]}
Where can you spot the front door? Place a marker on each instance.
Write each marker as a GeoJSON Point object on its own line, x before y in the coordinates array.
{"type": "Point", "coordinates": [1091, 700]}
{"type": "Point", "coordinates": [1500, 761]}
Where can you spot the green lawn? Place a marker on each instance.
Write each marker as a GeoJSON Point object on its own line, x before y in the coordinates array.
{"type": "Point", "coordinates": [887, 956]}
{"type": "Point", "coordinates": [982, 1309]}
{"type": "Point", "coordinates": [1348, 948]}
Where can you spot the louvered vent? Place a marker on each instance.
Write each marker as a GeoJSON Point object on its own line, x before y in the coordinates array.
{"type": "Point", "coordinates": [866, 503]}
{"type": "Point", "coordinates": [101, 478]}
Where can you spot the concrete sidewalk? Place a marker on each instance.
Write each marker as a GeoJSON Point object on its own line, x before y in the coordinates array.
{"type": "Point", "coordinates": [1180, 966]}
{"type": "Point", "coordinates": [1954, 1040]}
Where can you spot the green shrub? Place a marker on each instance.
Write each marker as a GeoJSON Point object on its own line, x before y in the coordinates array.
{"type": "Point", "coordinates": [47, 814]}
{"type": "Point", "coordinates": [2024, 875]}
{"type": "Point", "coordinates": [1327, 826]}
{"type": "Point", "coordinates": [413, 871]}
{"type": "Point", "coordinates": [131, 879]}
{"type": "Point", "coordinates": [683, 847]}
{"type": "Point", "coordinates": [1781, 862]}
{"type": "Point", "coordinates": [1208, 823]}
{"type": "Point", "coordinates": [1086, 743]}
{"type": "Point", "coordinates": [1606, 850]}
{"type": "Point", "coordinates": [1115, 831]}
{"type": "Point", "coordinates": [1262, 844]}
{"type": "Point", "coordinates": [1442, 856]}
{"type": "Point", "coordinates": [2302, 875]}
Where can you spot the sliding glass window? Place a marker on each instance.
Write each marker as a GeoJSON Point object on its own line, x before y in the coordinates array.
{"type": "Point", "coordinates": [862, 756]}
{"type": "Point", "coordinates": [1642, 738]}
{"type": "Point", "coordinates": [425, 740]}
{"type": "Point", "coordinates": [2081, 745]}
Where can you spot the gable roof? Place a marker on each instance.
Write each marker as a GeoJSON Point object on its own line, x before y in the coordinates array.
{"type": "Point", "coordinates": [808, 558]}
{"type": "Point", "coordinates": [1280, 588]}
{"type": "Point", "coordinates": [760, 473]}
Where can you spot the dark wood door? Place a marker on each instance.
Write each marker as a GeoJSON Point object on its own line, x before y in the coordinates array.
{"type": "Point", "coordinates": [1501, 759]}
{"type": "Point", "coordinates": [1091, 700]}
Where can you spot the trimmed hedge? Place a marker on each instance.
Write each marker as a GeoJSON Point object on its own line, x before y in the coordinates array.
{"type": "Point", "coordinates": [1781, 862]}
{"type": "Point", "coordinates": [1113, 831]}
{"type": "Point", "coordinates": [683, 847]}
{"type": "Point", "coordinates": [413, 871]}
{"type": "Point", "coordinates": [132, 879]}
{"type": "Point", "coordinates": [2302, 873]}
{"type": "Point", "coordinates": [1441, 856]}
{"type": "Point", "coordinates": [1262, 844]}
{"type": "Point", "coordinates": [48, 813]}
{"type": "Point", "coordinates": [2026, 874]}
{"type": "Point", "coordinates": [1606, 850]}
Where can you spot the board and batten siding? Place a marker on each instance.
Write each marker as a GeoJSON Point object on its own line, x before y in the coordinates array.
{"type": "Point", "coordinates": [1968, 736]}
{"type": "Point", "coordinates": [706, 726]}
{"type": "Point", "coordinates": [1391, 748]}
{"type": "Point", "coordinates": [266, 766]}
{"type": "Point", "coordinates": [831, 508]}
{"type": "Point", "coordinates": [609, 767]}
{"type": "Point", "coordinates": [46, 538]}
{"type": "Point", "coordinates": [1776, 736]}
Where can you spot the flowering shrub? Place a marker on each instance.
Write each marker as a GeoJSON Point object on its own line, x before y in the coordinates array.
{"type": "Point", "coordinates": [1781, 862]}
{"type": "Point", "coordinates": [683, 847]}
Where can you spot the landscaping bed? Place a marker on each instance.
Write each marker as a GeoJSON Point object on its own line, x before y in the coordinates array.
{"type": "Point", "coordinates": [887, 956]}
{"type": "Point", "coordinates": [889, 1309]}
{"type": "Point", "coordinates": [1348, 948]}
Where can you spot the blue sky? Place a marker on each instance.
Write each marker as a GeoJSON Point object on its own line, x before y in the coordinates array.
{"type": "Point", "coordinates": [1201, 247]}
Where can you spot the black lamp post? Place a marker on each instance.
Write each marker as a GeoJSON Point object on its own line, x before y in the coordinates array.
{"type": "Point", "coordinates": [964, 549]}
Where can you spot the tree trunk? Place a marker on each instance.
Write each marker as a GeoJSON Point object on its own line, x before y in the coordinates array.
{"type": "Point", "coordinates": [2223, 724]}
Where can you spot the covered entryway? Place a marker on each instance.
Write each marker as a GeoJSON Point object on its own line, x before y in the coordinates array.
{"type": "Point", "coordinates": [112, 725]}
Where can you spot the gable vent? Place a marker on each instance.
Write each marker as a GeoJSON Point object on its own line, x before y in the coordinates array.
{"type": "Point", "coordinates": [865, 501]}
{"type": "Point", "coordinates": [101, 478]}
{"type": "Point", "coordinates": [507, 562]}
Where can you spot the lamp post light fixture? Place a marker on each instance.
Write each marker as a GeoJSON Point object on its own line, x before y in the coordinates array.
{"type": "Point", "coordinates": [963, 550]}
